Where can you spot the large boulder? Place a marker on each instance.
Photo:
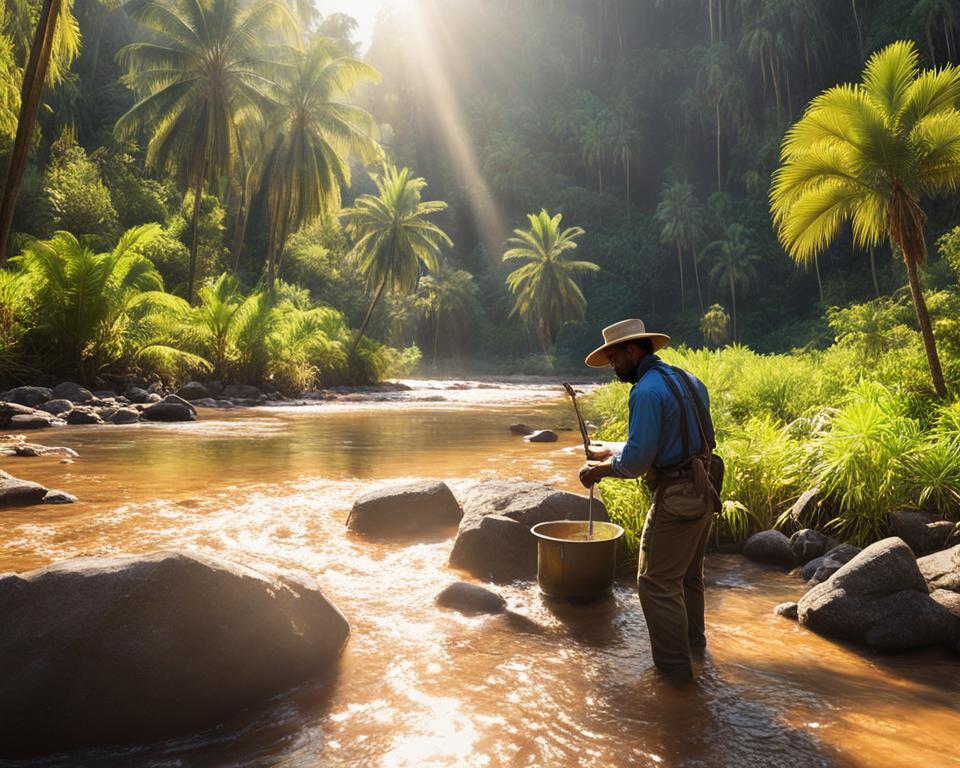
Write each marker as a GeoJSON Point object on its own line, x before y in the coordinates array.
{"type": "Point", "coordinates": [194, 390]}
{"type": "Point", "coordinates": [169, 412]}
{"type": "Point", "coordinates": [808, 544]}
{"type": "Point", "coordinates": [8, 410]}
{"type": "Point", "coordinates": [15, 492]}
{"type": "Point", "coordinates": [771, 547]}
{"type": "Point", "coordinates": [124, 416]}
{"type": "Point", "coordinates": [97, 651]}
{"type": "Point", "coordinates": [83, 416]}
{"type": "Point", "coordinates": [942, 569]}
{"type": "Point", "coordinates": [405, 509]}
{"type": "Point", "coordinates": [56, 407]}
{"type": "Point", "coordinates": [924, 532]}
{"type": "Point", "coordinates": [29, 396]}
{"type": "Point", "coordinates": [137, 394]}
{"type": "Point", "coordinates": [35, 420]}
{"type": "Point", "coordinates": [494, 541]}
{"type": "Point", "coordinates": [879, 599]}
{"type": "Point", "coordinates": [72, 392]}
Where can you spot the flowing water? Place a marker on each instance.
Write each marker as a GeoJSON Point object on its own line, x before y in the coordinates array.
{"type": "Point", "coordinates": [421, 686]}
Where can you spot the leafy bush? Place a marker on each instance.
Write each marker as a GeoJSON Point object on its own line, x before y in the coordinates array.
{"type": "Point", "coordinates": [78, 197]}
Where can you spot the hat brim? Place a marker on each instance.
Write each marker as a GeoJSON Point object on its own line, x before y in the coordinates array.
{"type": "Point", "coordinates": [598, 358]}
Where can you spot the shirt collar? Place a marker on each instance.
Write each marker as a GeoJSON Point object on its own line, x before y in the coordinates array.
{"type": "Point", "coordinates": [645, 365]}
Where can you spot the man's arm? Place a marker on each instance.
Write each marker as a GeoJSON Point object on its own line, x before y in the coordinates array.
{"type": "Point", "coordinates": [641, 447]}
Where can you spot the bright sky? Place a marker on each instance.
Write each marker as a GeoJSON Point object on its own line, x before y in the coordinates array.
{"type": "Point", "coordinates": [364, 11]}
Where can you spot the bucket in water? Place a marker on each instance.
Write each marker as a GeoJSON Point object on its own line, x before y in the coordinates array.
{"type": "Point", "coordinates": [572, 565]}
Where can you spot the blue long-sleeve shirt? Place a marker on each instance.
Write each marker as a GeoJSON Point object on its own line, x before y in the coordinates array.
{"type": "Point", "coordinates": [654, 429]}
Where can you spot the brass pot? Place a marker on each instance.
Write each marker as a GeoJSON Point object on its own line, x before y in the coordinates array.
{"type": "Point", "coordinates": [572, 567]}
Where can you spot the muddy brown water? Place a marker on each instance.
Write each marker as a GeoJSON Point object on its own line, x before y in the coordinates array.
{"type": "Point", "coordinates": [421, 686]}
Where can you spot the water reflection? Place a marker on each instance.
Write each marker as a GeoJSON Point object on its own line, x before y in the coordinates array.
{"type": "Point", "coordinates": [421, 686]}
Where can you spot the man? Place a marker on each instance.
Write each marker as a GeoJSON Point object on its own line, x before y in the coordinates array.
{"type": "Point", "coordinates": [674, 538]}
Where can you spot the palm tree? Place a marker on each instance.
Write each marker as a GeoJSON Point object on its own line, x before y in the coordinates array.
{"type": "Point", "coordinates": [624, 139]}
{"type": "Point", "coordinates": [55, 45]}
{"type": "Point", "coordinates": [734, 264]}
{"type": "Point", "coordinates": [715, 325]}
{"type": "Point", "coordinates": [596, 140]}
{"type": "Point", "coordinates": [200, 82]}
{"type": "Point", "coordinates": [681, 223]}
{"type": "Point", "coordinates": [867, 153]}
{"type": "Point", "coordinates": [447, 296]}
{"type": "Point", "coordinates": [546, 293]}
{"type": "Point", "coordinates": [392, 237]}
{"type": "Point", "coordinates": [310, 137]}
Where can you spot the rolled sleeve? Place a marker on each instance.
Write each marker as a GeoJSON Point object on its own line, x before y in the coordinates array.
{"type": "Point", "coordinates": [644, 434]}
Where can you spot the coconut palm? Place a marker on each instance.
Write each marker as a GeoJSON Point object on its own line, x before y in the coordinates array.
{"type": "Point", "coordinates": [734, 264]}
{"type": "Point", "coordinates": [200, 81]}
{"type": "Point", "coordinates": [55, 44]}
{"type": "Point", "coordinates": [867, 153]}
{"type": "Point", "coordinates": [392, 237]}
{"type": "Point", "coordinates": [546, 292]}
{"type": "Point", "coordinates": [624, 139]}
{"type": "Point", "coordinates": [681, 223]}
{"type": "Point", "coordinates": [447, 297]}
{"type": "Point", "coordinates": [311, 135]}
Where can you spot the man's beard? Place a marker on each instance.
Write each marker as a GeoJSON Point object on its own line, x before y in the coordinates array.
{"type": "Point", "coordinates": [627, 375]}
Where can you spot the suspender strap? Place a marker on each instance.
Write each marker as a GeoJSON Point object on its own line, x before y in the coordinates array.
{"type": "Point", "coordinates": [684, 437]}
{"type": "Point", "coordinates": [700, 410]}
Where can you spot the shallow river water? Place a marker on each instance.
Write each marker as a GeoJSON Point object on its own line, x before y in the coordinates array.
{"type": "Point", "coordinates": [421, 686]}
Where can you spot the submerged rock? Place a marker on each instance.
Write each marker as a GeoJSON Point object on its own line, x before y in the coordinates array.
{"type": "Point", "coordinates": [494, 541]}
{"type": "Point", "coordinates": [771, 547]}
{"type": "Point", "coordinates": [15, 492]}
{"type": "Point", "coordinates": [405, 509]}
{"type": "Point", "coordinates": [542, 436]}
{"type": "Point", "coordinates": [787, 610]}
{"type": "Point", "coordinates": [879, 599]}
{"type": "Point", "coordinates": [470, 598]}
{"type": "Point", "coordinates": [520, 429]}
{"type": "Point", "coordinates": [153, 647]}
{"type": "Point", "coordinates": [58, 497]}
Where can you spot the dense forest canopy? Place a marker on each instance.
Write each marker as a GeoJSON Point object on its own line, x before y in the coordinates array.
{"type": "Point", "coordinates": [651, 127]}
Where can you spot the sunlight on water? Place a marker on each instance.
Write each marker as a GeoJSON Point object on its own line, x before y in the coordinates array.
{"type": "Point", "coordinates": [419, 686]}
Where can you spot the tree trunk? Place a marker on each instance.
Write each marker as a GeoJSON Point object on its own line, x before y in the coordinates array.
{"type": "Point", "coordinates": [873, 271]}
{"type": "Point", "coordinates": [626, 167]}
{"type": "Point", "coordinates": [696, 277]}
{"type": "Point", "coordinates": [366, 320]}
{"type": "Point", "coordinates": [933, 55]}
{"type": "Point", "coordinates": [719, 183]}
{"type": "Point", "coordinates": [926, 329]}
{"type": "Point", "coordinates": [856, 18]}
{"type": "Point", "coordinates": [680, 263]}
{"type": "Point", "coordinates": [816, 266]}
{"type": "Point", "coordinates": [30, 94]}
{"type": "Point", "coordinates": [436, 340]}
{"type": "Point", "coordinates": [197, 200]}
{"type": "Point", "coordinates": [733, 303]}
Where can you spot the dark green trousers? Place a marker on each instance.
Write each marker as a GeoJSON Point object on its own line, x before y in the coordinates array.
{"type": "Point", "coordinates": [670, 578]}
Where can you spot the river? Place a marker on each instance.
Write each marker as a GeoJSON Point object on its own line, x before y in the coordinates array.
{"type": "Point", "coordinates": [421, 686]}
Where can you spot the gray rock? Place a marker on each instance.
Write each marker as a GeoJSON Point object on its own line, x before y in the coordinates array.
{"type": "Point", "coordinates": [153, 397]}
{"type": "Point", "coordinates": [125, 416]}
{"type": "Point", "coordinates": [924, 532]}
{"type": "Point", "coordinates": [948, 599]}
{"type": "Point", "coordinates": [169, 412]}
{"type": "Point", "coordinates": [104, 394]}
{"type": "Point", "coordinates": [224, 404]}
{"type": "Point", "coordinates": [471, 598]}
{"type": "Point", "coordinates": [494, 540]}
{"type": "Point", "coordinates": [787, 610]}
{"type": "Point", "coordinates": [806, 509]}
{"type": "Point", "coordinates": [843, 553]}
{"type": "Point", "coordinates": [810, 568]}
{"type": "Point", "coordinates": [824, 571]}
{"type": "Point", "coordinates": [56, 407]}
{"type": "Point", "coordinates": [137, 395]}
{"type": "Point", "coordinates": [157, 646]}
{"type": "Point", "coordinates": [520, 429]}
{"type": "Point", "coordinates": [204, 402]}
{"type": "Point", "coordinates": [29, 396]}
{"type": "Point", "coordinates": [58, 497]}
{"type": "Point", "coordinates": [72, 392]}
{"type": "Point", "coordinates": [176, 399]}
{"type": "Point", "coordinates": [941, 570]}
{"type": "Point", "coordinates": [215, 388]}
{"type": "Point", "coordinates": [15, 492]}
{"type": "Point", "coordinates": [83, 416]}
{"type": "Point", "coordinates": [9, 410]}
{"type": "Point", "coordinates": [542, 436]}
{"type": "Point", "coordinates": [240, 392]}
{"type": "Point", "coordinates": [35, 420]}
{"type": "Point", "coordinates": [770, 547]}
{"type": "Point", "coordinates": [405, 509]}
{"type": "Point", "coordinates": [878, 599]}
{"type": "Point", "coordinates": [193, 391]}
{"type": "Point", "coordinates": [808, 544]}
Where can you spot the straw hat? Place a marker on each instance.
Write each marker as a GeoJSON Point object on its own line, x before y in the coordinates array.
{"type": "Point", "coordinates": [625, 330]}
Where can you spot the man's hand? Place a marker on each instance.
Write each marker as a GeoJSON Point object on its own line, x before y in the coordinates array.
{"type": "Point", "coordinates": [586, 476]}
{"type": "Point", "coordinates": [599, 451]}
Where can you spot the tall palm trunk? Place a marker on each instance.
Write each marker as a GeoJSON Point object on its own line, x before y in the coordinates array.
{"type": "Point", "coordinates": [197, 200]}
{"type": "Point", "coordinates": [733, 304]}
{"type": "Point", "coordinates": [696, 277]}
{"type": "Point", "coordinates": [680, 263]}
{"type": "Point", "coordinates": [926, 329]}
{"type": "Point", "coordinates": [856, 18]}
{"type": "Point", "coordinates": [816, 266]}
{"type": "Point", "coordinates": [873, 271]}
{"type": "Point", "coordinates": [30, 93]}
{"type": "Point", "coordinates": [366, 320]}
{"type": "Point", "coordinates": [719, 182]}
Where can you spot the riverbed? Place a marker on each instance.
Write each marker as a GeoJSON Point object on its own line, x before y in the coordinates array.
{"type": "Point", "coordinates": [420, 686]}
